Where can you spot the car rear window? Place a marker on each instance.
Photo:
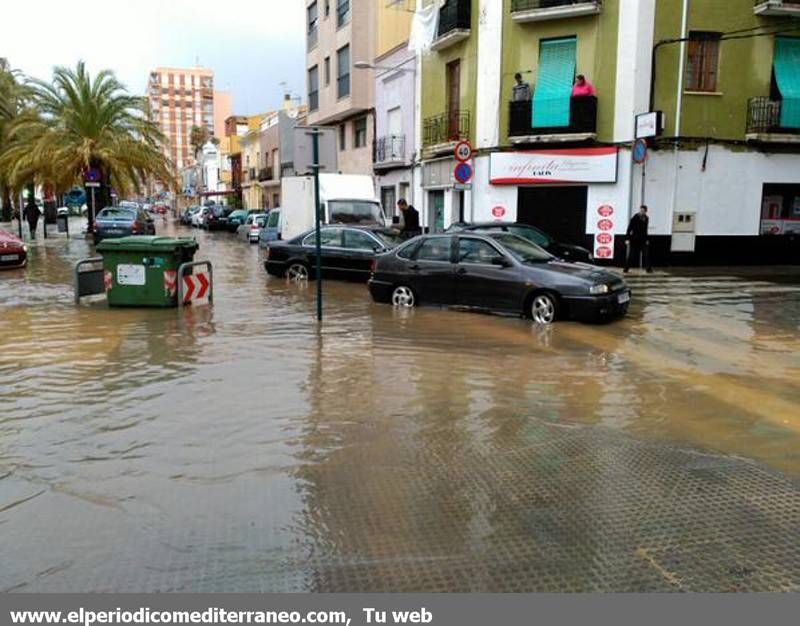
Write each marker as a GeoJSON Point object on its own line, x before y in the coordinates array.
{"type": "Point", "coordinates": [116, 214]}
{"type": "Point", "coordinates": [273, 219]}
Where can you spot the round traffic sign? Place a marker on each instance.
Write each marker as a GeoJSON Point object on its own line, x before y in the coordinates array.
{"type": "Point", "coordinates": [499, 211]}
{"type": "Point", "coordinates": [463, 173]}
{"type": "Point", "coordinates": [463, 151]}
{"type": "Point", "coordinates": [640, 151]}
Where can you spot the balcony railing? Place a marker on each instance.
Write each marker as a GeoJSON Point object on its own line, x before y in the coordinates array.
{"type": "Point", "coordinates": [582, 119]}
{"type": "Point", "coordinates": [777, 7]}
{"type": "Point", "coordinates": [446, 128]}
{"type": "Point", "coordinates": [764, 118]}
{"type": "Point", "coordinates": [454, 15]}
{"type": "Point", "coordinates": [251, 173]}
{"type": "Point", "coordinates": [265, 173]}
{"type": "Point", "coordinates": [390, 149]}
{"type": "Point", "coordinates": [532, 10]}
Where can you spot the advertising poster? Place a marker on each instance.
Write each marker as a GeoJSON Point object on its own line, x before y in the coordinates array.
{"type": "Point", "coordinates": [604, 231]}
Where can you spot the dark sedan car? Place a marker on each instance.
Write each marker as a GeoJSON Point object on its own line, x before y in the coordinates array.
{"type": "Point", "coordinates": [215, 218]}
{"type": "Point", "coordinates": [565, 251]}
{"type": "Point", "coordinates": [120, 221]}
{"type": "Point", "coordinates": [496, 272]}
{"type": "Point", "coordinates": [347, 252]}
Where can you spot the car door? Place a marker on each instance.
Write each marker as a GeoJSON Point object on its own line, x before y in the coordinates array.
{"type": "Point", "coordinates": [431, 272]}
{"type": "Point", "coordinates": [332, 250]}
{"type": "Point", "coordinates": [360, 248]}
{"type": "Point", "coordinates": [485, 277]}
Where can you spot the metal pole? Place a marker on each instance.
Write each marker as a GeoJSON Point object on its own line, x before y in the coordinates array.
{"type": "Point", "coordinates": [92, 220]}
{"type": "Point", "coordinates": [315, 143]}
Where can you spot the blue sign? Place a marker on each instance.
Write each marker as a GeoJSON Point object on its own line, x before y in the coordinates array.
{"type": "Point", "coordinates": [640, 151]}
{"type": "Point", "coordinates": [92, 175]}
{"type": "Point", "coordinates": [463, 173]}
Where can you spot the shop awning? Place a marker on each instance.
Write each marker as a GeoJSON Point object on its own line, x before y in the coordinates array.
{"type": "Point", "coordinates": [787, 75]}
{"type": "Point", "coordinates": [556, 73]}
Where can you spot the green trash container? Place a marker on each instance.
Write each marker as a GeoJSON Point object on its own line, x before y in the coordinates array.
{"type": "Point", "coordinates": [142, 270]}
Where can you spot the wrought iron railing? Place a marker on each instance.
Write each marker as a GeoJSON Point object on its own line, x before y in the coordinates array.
{"type": "Point", "coordinates": [764, 116]}
{"type": "Point", "coordinates": [454, 15]}
{"type": "Point", "coordinates": [447, 127]}
{"type": "Point", "coordinates": [532, 5]}
{"type": "Point", "coordinates": [391, 148]}
{"type": "Point", "coordinates": [582, 118]}
{"type": "Point", "coordinates": [265, 173]}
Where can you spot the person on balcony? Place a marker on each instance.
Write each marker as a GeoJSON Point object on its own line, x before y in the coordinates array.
{"type": "Point", "coordinates": [521, 91]}
{"type": "Point", "coordinates": [583, 88]}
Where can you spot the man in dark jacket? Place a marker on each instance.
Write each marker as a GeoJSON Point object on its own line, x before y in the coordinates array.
{"type": "Point", "coordinates": [410, 219]}
{"type": "Point", "coordinates": [638, 240]}
{"type": "Point", "coordinates": [32, 215]}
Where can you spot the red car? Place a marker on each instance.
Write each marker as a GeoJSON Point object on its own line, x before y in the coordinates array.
{"type": "Point", "coordinates": [13, 253]}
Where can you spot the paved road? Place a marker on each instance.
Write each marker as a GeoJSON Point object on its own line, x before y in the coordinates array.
{"type": "Point", "coordinates": [239, 448]}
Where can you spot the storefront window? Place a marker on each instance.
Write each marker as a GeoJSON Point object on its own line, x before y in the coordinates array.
{"type": "Point", "coordinates": [780, 209]}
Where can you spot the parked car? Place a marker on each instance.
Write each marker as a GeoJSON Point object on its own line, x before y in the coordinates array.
{"type": "Point", "coordinates": [236, 218]}
{"type": "Point", "coordinates": [565, 251]}
{"type": "Point", "coordinates": [347, 252]}
{"type": "Point", "coordinates": [499, 272]}
{"type": "Point", "coordinates": [186, 216]}
{"type": "Point", "coordinates": [199, 216]}
{"type": "Point", "coordinates": [272, 229]}
{"type": "Point", "coordinates": [121, 222]}
{"type": "Point", "coordinates": [160, 209]}
{"type": "Point", "coordinates": [251, 229]}
{"type": "Point", "coordinates": [216, 218]}
{"type": "Point", "coordinates": [13, 253]}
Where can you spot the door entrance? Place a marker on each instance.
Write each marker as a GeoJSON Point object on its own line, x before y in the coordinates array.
{"type": "Point", "coordinates": [436, 211]}
{"type": "Point", "coordinates": [558, 211]}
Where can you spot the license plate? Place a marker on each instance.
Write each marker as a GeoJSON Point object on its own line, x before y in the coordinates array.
{"type": "Point", "coordinates": [9, 257]}
{"type": "Point", "coordinates": [624, 297]}
{"type": "Point", "coordinates": [113, 231]}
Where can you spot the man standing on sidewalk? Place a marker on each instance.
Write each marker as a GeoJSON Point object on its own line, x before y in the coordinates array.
{"type": "Point", "coordinates": [411, 226]}
{"type": "Point", "coordinates": [638, 240]}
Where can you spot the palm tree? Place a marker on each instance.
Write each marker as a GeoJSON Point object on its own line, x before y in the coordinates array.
{"type": "Point", "coordinates": [198, 137]}
{"type": "Point", "coordinates": [13, 98]}
{"type": "Point", "coordinates": [85, 123]}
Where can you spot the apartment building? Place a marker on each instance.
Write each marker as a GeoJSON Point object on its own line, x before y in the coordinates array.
{"type": "Point", "coordinates": [720, 179]}
{"type": "Point", "coordinates": [340, 35]}
{"type": "Point", "coordinates": [277, 147]}
{"type": "Point", "coordinates": [396, 146]}
{"type": "Point", "coordinates": [180, 99]}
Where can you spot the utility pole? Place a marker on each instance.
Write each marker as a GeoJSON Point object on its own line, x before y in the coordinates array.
{"type": "Point", "coordinates": [315, 133]}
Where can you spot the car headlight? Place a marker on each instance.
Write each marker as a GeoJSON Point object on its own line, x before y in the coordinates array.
{"type": "Point", "coordinates": [25, 248]}
{"type": "Point", "coordinates": [598, 289]}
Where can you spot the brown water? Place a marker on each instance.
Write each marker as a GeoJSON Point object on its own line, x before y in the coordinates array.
{"type": "Point", "coordinates": [198, 449]}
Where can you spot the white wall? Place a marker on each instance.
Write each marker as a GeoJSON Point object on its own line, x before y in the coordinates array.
{"type": "Point", "coordinates": [490, 49]}
{"type": "Point", "coordinates": [726, 197]}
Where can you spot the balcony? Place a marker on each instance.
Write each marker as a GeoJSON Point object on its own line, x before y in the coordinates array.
{"type": "Point", "coordinates": [540, 10]}
{"type": "Point", "coordinates": [455, 19]}
{"type": "Point", "coordinates": [441, 132]}
{"type": "Point", "coordinates": [390, 150]}
{"type": "Point", "coordinates": [764, 122]}
{"type": "Point", "coordinates": [265, 173]}
{"type": "Point", "coordinates": [582, 123]}
{"type": "Point", "coordinates": [777, 8]}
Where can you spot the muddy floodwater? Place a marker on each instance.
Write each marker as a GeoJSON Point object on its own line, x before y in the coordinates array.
{"type": "Point", "coordinates": [237, 447]}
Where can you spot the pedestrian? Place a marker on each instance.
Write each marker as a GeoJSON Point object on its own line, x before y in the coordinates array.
{"type": "Point", "coordinates": [638, 240]}
{"type": "Point", "coordinates": [583, 88]}
{"type": "Point", "coordinates": [521, 91]}
{"type": "Point", "coordinates": [410, 219]}
{"type": "Point", "coordinates": [32, 216]}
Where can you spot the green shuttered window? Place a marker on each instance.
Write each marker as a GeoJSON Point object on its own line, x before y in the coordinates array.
{"type": "Point", "coordinates": [556, 74]}
{"type": "Point", "coordinates": [787, 75]}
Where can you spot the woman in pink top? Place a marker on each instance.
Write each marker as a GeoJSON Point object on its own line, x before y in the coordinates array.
{"type": "Point", "coordinates": [582, 87]}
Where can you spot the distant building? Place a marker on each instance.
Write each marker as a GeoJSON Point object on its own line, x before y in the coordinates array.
{"type": "Point", "coordinates": [180, 99]}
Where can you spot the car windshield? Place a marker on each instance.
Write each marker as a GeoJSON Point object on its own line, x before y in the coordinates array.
{"type": "Point", "coordinates": [117, 214]}
{"type": "Point", "coordinates": [521, 249]}
{"type": "Point", "coordinates": [261, 220]}
{"type": "Point", "coordinates": [355, 212]}
{"type": "Point", "coordinates": [392, 239]}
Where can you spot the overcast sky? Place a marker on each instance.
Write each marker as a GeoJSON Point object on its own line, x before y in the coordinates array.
{"type": "Point", "coordinates": [252, 45]}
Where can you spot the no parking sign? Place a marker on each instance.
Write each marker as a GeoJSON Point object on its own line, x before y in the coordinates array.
{"type": "Point", "coordinates": [604, 237]}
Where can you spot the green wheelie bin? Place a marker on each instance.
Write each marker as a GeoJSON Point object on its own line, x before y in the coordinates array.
{"type": "Point", "coordinates": [142, 270]}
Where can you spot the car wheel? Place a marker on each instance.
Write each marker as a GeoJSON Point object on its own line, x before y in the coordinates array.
{"type": "Point", "coordinates": [544, 308]}
{"type": "Point", "coordinates": [297, 272]}
{"type": "Point", "coordinates": [403, 296]}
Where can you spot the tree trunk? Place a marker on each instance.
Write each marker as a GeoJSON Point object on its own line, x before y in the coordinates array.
{"type": "Point", "coordinates": [7, 206]}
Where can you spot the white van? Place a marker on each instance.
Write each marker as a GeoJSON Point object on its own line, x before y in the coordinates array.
{"type": "Point", "coordinates": [344, 199]}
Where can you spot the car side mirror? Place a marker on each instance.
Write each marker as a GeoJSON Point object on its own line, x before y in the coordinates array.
{"type": "Point", "coordinates": [501, 261]}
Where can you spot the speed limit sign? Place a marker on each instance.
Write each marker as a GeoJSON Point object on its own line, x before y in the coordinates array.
{"type": "Point", "coordinates": [463, 151]}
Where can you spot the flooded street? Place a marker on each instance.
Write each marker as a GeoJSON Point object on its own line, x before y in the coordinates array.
{"type": "Point", "coordinates": [238, 448]}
